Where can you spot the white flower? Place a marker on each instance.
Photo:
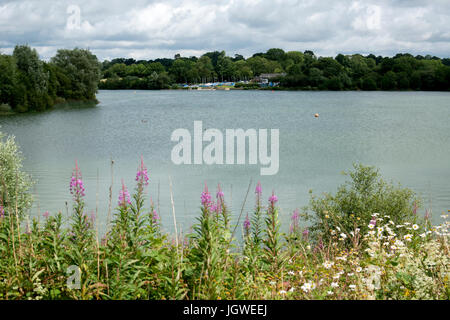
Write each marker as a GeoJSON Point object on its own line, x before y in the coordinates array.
{"type": "Point", "coordinates": [350, 274]}
{"type": "Point", "coordinates": [408, 237]}
{"type": "Point", "coordinates": [352, 287]}
{"type": "Point", "coordinates": [328, 264]}
{"type": "Point", "coordinates": [415, 227]}
{"type": "Point", "coordinates": [308, 286]}
{"type": "Point", "coordinates": [359, 269]}
{"type": "Point", "coordinates": [291, 289]}
{"type": "Point", "coordinates": [343, 236]}
{"type": "Point", "coordinates": [282, 292]}
{"type": "Point", "coordinates": [329, 293]}
{"type": "Point", "coordinates": [334, 285]}
{"type": "Point", "coordinates": [291, 273]}
{"type": "Point", "coordinates": [272, 283]}
{"type": "Point", "coordinates": [423, 235]}
{"type": "Point", "coordinates": [308, 247]}
{"type": "Point", "coordinates": [371, 226]}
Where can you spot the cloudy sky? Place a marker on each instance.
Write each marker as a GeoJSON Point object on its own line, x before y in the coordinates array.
{"type": "Point", "coordinates": [150, 29]}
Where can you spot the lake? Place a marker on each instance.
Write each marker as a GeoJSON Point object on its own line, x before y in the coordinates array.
{"type": "Point", "coordinates": [405, 134]}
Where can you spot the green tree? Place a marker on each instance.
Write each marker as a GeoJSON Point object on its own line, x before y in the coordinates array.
{"type": "Point", "coordinates": [83, 70]}
{"type": "Point", "coordinates": [32, 93]}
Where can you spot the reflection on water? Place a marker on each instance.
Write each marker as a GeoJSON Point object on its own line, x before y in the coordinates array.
{"type": "Point", "coordinates": [405, 134]}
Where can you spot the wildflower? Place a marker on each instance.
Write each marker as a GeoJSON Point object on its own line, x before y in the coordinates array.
{"type": "Point", "coordinates": [155, 216]}
{"type": "Point", "coordinates": [142, 174]}
{"type": "Point", "coordinates": [352, 287]}
{"type": "Point", "coordinates": [372, 223]}
{"type": "Point", "coordinates": [305, 234]}
{"type": "Point", "coordinates": [206, 197]}
{"type": "Point", "coordinates": [334, 285]}
{"type": "Point", "coordinates": [76, 185]}
{"type": "Point", "coordinates": [124, 196]}
{"type": "Point", "coordinates": [46, 214]}
{"type": "Point", "coordinates": [415, 227]}
{"type": "Point", "coordinates": [291, 273]}
{"type": "Point", "coordinates": [258, 189]}
{"type": "Point", "coordinates": [408, 237]}
{"type": "Point", "coordinates": [219, 197]}
{"type": "Point", "coordinates": [343, 236]}
{"type": "Point", "coordinates": [328, 264]}
{"type": "Point", "coordinates": [2, 211]}
{"type": "Point", "coordinates": [282, 292]}
{"type": "Point", "coordinates": [350, 274]}
{"type": "Point", "coordinates": [329, 293]}
{"type": "Point", "coordinates": [273, 199]}
{"type": "Point", "coordinates": [247, 226]}
{"type": "Point", "coordinates": [294, 219]}
{"type": "Point", "coordinates": [358, 269]}
{"type": "Point", "coordinates": [308, 286]}
{"type": "Point", "coordinates": [291, 289]}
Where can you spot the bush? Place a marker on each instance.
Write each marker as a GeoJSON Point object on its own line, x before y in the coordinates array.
{"type": "Point", "coordinates": [14, 183]}
{"type": "Point", "coordinates": [355, 202]}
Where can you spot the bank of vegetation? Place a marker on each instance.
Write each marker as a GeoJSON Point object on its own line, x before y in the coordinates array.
{"type": "Point", "coordinates": [30, 84]}
{"type": "Point", "coordinates": [369, 240]}
{"type": "Point", "coordinates": [295, 69]}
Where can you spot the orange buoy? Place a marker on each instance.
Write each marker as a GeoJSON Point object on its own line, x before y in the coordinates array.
{"type": "Point", "coordinates": [316, 115]}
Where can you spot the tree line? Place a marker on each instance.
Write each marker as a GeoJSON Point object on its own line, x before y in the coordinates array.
{"type": "Point", "coordinates": [30, 84]}
{"type": "Point", "coordinates": [298, 70]}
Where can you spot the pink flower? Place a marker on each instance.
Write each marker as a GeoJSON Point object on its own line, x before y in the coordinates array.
{"type": "Point", "coordinates": [155, 216]}
{"type": "Point", "coordinates": [46, 214]}
{"type": "Point", "coordinates": [206, 197]}
{"type": "Point", "coordinates": [258, 189]}
{"type": "Point", "coordinates": [142, 174]}
{"type": "Point", "coordinates": [76, 183]}
{"type": "Point", "coordinates": [124, 196]}
{"type": "Point", "coordinates": [2, 211]}
{"type": "Point", "coordinates": [294, 218]}
{"type": "Point", "coordinates": [247, 225]}
{"type": "Point", "coordinates": [273, 199]}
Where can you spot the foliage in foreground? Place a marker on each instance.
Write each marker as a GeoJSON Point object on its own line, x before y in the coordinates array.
{"type": "Point", "coordinates": [388, 259]}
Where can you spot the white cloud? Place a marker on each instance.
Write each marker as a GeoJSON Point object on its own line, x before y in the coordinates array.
{"type": "Point", "coordinates": [151, 29]}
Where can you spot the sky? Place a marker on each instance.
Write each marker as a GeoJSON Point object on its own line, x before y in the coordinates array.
{"type": "Point", "coordinates": [153, 29]}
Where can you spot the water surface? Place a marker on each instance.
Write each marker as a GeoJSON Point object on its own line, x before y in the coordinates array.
{"type": "Point", "coordinates": [405, 134]}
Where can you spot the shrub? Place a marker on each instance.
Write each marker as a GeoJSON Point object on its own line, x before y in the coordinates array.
{"type": "Point", "coordinates": [355, 201]}
{"type": "Point", "coordinates": [14, 183]}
